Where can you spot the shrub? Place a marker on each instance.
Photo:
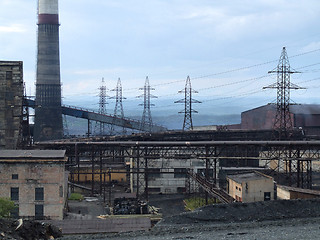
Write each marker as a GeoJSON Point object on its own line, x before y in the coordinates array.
{"type": "Point", "coordinates": [6, 206]}
{"type": "Point", "coordinates": [76, 196]}
{"type": "Point", "coordinates": [196, 202]}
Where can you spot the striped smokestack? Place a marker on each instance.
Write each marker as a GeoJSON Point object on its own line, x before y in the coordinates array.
{"type": "Point", "coordinates": [48, 115]}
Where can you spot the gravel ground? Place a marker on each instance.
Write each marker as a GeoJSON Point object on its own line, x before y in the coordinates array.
{"type": "Point", "coordinates": [296, 219]}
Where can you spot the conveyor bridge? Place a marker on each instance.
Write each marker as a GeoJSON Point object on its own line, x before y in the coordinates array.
{"type": "Point", "coordinates": [91, 115]}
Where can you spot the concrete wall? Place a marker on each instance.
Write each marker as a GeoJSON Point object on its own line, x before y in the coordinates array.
{"type": "Point", "coordinates": [11, 96]}
{"type": "Point", "coordinates": [235, 190]}
{"type": "Point", "coordinates": [166, 181]}
{"type": "Point", "coordinates": [30, 176]}
{"type": "Point", "coordinates": [251, 190]}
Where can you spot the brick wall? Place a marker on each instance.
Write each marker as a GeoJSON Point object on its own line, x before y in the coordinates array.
{"type": "Point", "coordinates": [49, 176]}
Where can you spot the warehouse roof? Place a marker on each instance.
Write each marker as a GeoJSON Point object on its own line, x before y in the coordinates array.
{"type": "Point", "coordinates": [244, 177]}
{"type": "Point", "coordinates": [32, 155]}
{"type": "Point", "coordinates": [296, 108]}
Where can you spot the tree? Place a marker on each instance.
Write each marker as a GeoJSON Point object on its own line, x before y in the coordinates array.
{"type": "Point", "coordinates": [6, 206]}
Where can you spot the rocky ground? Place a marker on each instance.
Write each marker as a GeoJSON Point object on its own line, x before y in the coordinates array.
{"type": "Point", "coordinates": [29, 230]}
{"type": "Point", "coordinates": [283, 219]}
{"type": "Point", "coordinates": [295, 219]}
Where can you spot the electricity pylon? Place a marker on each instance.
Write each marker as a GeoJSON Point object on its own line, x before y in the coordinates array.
{"type": "Point", "coordinates": [100, 126]}
{"type": "Point", "coordinates": [283, 122]}
{"type": "Point", "coordinates": [146, 120]}
{"type": "Point", "coordinates": [118, 109]}
{"type": "Point", "coordinates": [188, 100]}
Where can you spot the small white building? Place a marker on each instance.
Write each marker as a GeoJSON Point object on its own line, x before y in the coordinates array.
{"type": "Point", "coordinates": [250, 187]}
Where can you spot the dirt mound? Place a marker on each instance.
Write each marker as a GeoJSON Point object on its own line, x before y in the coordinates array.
{"type": "Point", "coordinates": [29, 230]}
{"type": "Point", "coordinates": [257, 211]}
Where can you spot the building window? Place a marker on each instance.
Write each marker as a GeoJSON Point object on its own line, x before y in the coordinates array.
{"type": "Point", "coordinates": [38, 211]}
{"type": "Point", "coordinates": [61, 191]}
{"type": "Point", "coordinates": [267, 196]}
{"type": "Point", "coordinates": [154, 172]}
{"type": "Point", "coordinates": [180, 173]}
{"type": "Point", "coordinates": [181, 189]}
{"type": "Point", "coordinates": [39, 194]}
{"type": "Point", "coordinates": [15, 212]}
{"type": "Point", "coordinates": [240, 189]}
{"type": "Point", "coordinates": [15, 176]}
{"type": "Point", "coordinates": [8, 75]}
{"type": "Point", "coordinates": [153, 190]}
{"type": "Point", "coordinates": [14, 194]}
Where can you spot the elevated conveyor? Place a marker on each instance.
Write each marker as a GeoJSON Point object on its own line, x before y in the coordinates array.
{"type": "Point", "coordinates": [211, 188]}
{"type": "Point", "coordinates": [103, 118]}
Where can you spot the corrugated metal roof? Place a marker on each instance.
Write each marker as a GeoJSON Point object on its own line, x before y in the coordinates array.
{"type": "Point", "coordinates": [305, 109]}
{"type": "Point", "coordinates": [296, 109]}
{"type": "Point", "coordinates": [32, 154]}
{"type": "Point", "coordinates": [240, 178]}
{"type": "Point", "coordinates": [300, 190]}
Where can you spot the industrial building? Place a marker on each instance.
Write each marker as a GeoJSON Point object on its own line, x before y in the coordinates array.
{"type": "Point", "coordinates": [251, 187]}
{"type": "Point", "coordinates": [36, 181]}
{"type": "Point", "coordinates": [286, 192]}
{"type": "Point", "coordinates": [168, 176]}
{"type": "Point", "coordinates": [305, 117]}
{"type": "Point", "coordinates": [11, 103]}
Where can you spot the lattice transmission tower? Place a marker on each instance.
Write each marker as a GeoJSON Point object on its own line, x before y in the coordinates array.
{"type": "Point", "coordinates": [188, 100]}
{"type": "Point", "coordinates": [283, 122]}
{"type": "Point", "coordinates": [118, 109]}
{"type": "Point", "coordinates": [101, 127]}
{"type": "Point", "coordinates": [146, 120]}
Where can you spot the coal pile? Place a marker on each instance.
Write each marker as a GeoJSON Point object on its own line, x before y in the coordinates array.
{"type": "Point", "coordinates": [29, 230]}
{"type": "Point", "coordinates": [256, 211]}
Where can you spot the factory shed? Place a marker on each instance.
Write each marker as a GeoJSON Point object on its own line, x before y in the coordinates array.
{"type": "Point", "coordinates": [286, 192]}
{"type": "Point", "coordinates": [250, 187]}
{"type": "Point", "coordinates": [36, 181]}
{"type": "Point", "coordinates": [304, 116]}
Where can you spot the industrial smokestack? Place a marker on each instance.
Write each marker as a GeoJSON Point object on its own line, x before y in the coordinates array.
{"type": "Point", "coordinates": [48, 114]}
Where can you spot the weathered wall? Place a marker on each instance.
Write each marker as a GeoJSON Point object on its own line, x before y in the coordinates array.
{"type": "Point", "coordinates": [11, 97]}
{"type": "Point", "coordinates": [50, 176]}
{"type": "Point", "coordinates": [255, 189]}
{"type": "Point", "coordinates": [251, 190]}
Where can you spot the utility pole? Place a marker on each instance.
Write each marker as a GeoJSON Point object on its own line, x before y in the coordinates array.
{"type": "Point", "coordinates": [283, 122]}
{"type": "Point", "coordinates": [146, 121]}
{"type": "Point", "coordinates": [188, 100]}
{"type": "Point", "coordinates": [118, 109]}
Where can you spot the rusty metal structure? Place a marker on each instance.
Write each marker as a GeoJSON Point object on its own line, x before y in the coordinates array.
{"type": "Point", "coordinates": [293, 159]}
{"type": "Point", "coordinates": [91, 115]}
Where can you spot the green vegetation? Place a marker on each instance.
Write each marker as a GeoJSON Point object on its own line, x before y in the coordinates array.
{"type": "Point", "coordinates": [6, 206]}
{"type": "Point", "coordinates": [196, 202]}
{"type": "Point", "coordinates": [76, 196]}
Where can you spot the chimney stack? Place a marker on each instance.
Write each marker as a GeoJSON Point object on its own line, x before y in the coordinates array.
{"type": "Point", "coordinates": [48, 114]}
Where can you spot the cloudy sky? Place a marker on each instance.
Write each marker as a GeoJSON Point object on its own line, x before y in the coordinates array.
{"type": "Point", "coordinates": [226, 47]}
